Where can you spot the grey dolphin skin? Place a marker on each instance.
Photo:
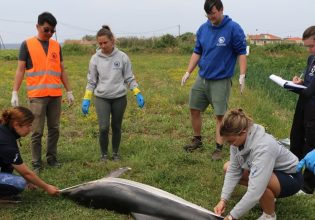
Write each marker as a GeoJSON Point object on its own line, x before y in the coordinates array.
{"type": "Point", "coordinates": [142, 201]}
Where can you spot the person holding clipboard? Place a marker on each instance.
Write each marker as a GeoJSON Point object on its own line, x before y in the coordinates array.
{"type": "Point", "coordinates": [302, 135]}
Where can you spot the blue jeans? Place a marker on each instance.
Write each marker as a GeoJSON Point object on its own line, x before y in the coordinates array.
{"type": "Point", "coordinates": [11, 184]}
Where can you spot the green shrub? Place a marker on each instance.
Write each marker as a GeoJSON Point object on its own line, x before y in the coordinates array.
{"type": "Point", "coordinates": [276, 48]}
{"type": "Point", "coordinates": [78, 49]}
{"type": "Point", "coordinates": [8, 55]}
{"type": "Point", "coordinates": [166, 41]}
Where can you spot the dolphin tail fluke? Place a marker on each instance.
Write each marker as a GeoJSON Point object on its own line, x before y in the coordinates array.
{"type": "Point", "coordinates": [139, 216]}
{"type": "Point", "coordinates": [118, 172]}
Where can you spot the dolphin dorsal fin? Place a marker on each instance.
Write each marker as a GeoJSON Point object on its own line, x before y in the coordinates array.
{"type": "Point", "coordinates": [118, 172]}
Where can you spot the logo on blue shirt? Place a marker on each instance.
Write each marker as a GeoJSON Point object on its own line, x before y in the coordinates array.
{"type": "Point", "coordinates": [221, 42]}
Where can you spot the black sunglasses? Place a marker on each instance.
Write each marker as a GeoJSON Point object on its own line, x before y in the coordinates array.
{"type": "Point", "coordinates": [47, 30]}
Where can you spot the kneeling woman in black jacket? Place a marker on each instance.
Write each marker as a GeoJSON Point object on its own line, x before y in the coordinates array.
{"type": "Point", "coordinates": [15, 123]}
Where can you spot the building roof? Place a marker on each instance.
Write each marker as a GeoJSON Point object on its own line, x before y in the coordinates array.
{"type": "Point", "coordinates": [264, 37]}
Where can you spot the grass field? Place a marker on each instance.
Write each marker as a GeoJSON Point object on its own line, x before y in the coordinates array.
{"type": "Point", "coordinates": [153, 137]}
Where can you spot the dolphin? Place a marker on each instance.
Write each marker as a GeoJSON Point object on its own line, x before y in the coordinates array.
{"type": "Point", "coordinates": [141, 201]}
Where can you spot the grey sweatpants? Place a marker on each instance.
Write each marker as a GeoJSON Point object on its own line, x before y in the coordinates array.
{"type": "Point", "coordinates": [106, 108]}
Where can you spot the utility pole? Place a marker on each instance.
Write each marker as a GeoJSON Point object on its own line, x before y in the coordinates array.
{"type": "Point", "coordinates": [179, 30]}
{"type": "Point", "coordinates": [1, 43]}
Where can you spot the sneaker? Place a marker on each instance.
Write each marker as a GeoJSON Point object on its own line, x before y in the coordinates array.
{"type": "Point", "coordinates": [11, 199]}
{"type": "Point", "coordinates": [53, 163]}
{"type": "Point", "coordinates": [217, 154]}
{"type": "Point", "coordinates": [301, 192]}
{"type": "Point", "coordinates": [37, 166]}
{"type": "Point", "coordinates": [104, 158]}
{"type": "Point", "coordinates": [265, 216]}
{"type": "Point", "coordinates": [195, 144]}
{"type": "Point", "coordinates": [115, 157]}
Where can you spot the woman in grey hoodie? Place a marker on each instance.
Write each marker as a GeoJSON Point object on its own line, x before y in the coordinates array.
{"type": "Point", "coordinates": [109, 72]}
{"type": "Point", "coordinates": [259, 162]}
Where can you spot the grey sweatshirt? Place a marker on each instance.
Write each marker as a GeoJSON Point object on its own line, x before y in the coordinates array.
{"type": "Point", "coordinates": [109, 74]}
{"type": "Point", "coordinates": [261, 155]}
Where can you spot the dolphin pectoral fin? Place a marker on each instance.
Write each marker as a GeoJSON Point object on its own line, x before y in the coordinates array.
{"type": "Point", "coordinates": [139, 216]}
{"type": "Point", "coordinates": [118, 172]}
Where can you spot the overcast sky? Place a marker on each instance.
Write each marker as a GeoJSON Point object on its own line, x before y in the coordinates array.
{"type": "Point", "coordinates": [77, 18]}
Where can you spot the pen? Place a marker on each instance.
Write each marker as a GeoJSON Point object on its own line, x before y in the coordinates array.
{"type": "Point", "coordinates": [302, 74]}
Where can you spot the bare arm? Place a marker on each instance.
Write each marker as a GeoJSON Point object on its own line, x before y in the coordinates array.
{"type": "Point", "coordinates": [19, 75]}
{"type": "Point", "coordinates": [243, 63]}
{"type": "Point", "coordinates": [31, 177]}
{"type": "Point", "coordinates": [64, 78]}
{"type": "Point", "coordinates": [193, 62]}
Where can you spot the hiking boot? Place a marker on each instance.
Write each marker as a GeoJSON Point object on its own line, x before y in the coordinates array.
{"type": "Point", "coordinates": [104, 158]}
{"type": "Point", "coordinates": [195, 144]}
{"type": "Point", "coordinates": [53, 163]}
{"type": "Point", "coordinates": [37, 166]}
{"type": "Point", "coordinates": [116, 157]}
{"type": "Point", "coordinates": [217, 154]}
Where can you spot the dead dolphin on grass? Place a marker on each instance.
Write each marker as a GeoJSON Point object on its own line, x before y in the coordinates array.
{"type": "Point", "coordinates": [142, 201]}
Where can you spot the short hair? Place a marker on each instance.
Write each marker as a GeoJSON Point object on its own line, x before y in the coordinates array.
{"type": "Point", "coordinates": [19, 114]}
{"type": "Point", "coordinates": [210, 3]}
{"type": "Point", "coordinates": [309, 32]}
{"type": "Point", "coordinates": [47, 17]}
{"type": "Point", "coordinates": [105, 31]}
{"type": "Point", "coordinates": [234, 122]}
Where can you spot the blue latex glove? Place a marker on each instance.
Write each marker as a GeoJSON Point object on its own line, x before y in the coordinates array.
{"type": "Point", "coordinates": [85, 106]}
{"type": "Point", "coordinates": [308, 161]}
{"type": "Point", "coordinates": [140, 100]}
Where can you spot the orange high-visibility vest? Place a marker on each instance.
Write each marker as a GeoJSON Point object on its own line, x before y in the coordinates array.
{"type": "Point", "coordinates": [43, 79]}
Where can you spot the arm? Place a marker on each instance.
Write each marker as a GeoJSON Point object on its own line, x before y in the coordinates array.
{"type": "Point", "coordinates": [91, 85]}
{"type": "Point", "coordinates": [129, 78]}
{"type": "Point", "coordinates": [258, 179]}
{"type": "Point", "coordinates": [191, 66]}
{"type": "Point", "coordinates": [64, 78]}
{"type": "Point", "coordinates": [232, 176]}
{"type": "Point", "coordinates": [193, 62]}
{"type": "Point", "coordinates": [242, 63]}
{"type": "Point", "coordinates": [19, 75]}
{"type": "Point", "coordinates": [309, 91]}
{"type": "Point", "coordinates": [243, 67]}
{"type": "Point", "coordinates": [30, 176]}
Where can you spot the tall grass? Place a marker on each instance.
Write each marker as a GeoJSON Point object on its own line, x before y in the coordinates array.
{"type": "Point", "coordinates": [153, 137]}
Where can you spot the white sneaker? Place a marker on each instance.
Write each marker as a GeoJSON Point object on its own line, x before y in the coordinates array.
{"type": "Point", "coordinates": [301, 192]}
{"type": "Point", "coordinates": [265, 216]}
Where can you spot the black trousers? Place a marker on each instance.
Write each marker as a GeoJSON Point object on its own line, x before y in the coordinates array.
{"type": "Point", "coordinates": [302, 137]}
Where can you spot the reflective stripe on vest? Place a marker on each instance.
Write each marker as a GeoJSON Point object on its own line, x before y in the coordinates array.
{"type": "Point", "coordinates": [44, 78]}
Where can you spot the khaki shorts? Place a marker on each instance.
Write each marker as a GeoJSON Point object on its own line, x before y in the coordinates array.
{"type": "Point", "coordinates": [213, 92]}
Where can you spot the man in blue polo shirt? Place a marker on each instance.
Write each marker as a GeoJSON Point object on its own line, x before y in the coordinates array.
{"type": "Point", "coordinates": [220, 42]}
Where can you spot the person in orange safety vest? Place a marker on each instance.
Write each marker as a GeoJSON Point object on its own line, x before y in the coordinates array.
{"type": "Point", "coordinates": [40, 60]}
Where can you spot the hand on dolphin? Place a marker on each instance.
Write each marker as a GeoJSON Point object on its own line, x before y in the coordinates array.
{"type": "Point", "coordinates": [219, 209]}
{"type": "Point", "coordinates": [52, 190]}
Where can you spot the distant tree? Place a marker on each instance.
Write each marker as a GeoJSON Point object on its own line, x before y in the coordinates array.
{"type": "Point", "coordinates": [89, 37]}
{"type": "Point", "coordinates": [166, 40]}
{"type": "Point", "coordinates": [188, 37]}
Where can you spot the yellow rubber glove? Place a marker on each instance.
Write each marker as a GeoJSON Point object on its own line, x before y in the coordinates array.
{"type": "Point", "coordinates": [136, 90]}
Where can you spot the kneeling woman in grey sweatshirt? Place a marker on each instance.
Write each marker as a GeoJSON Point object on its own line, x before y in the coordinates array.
{"type": "Point", "coordinates": [259, 162]}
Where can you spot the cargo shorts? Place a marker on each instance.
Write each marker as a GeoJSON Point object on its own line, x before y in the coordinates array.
{"type": "Point", "coordinates": [213, 92]}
